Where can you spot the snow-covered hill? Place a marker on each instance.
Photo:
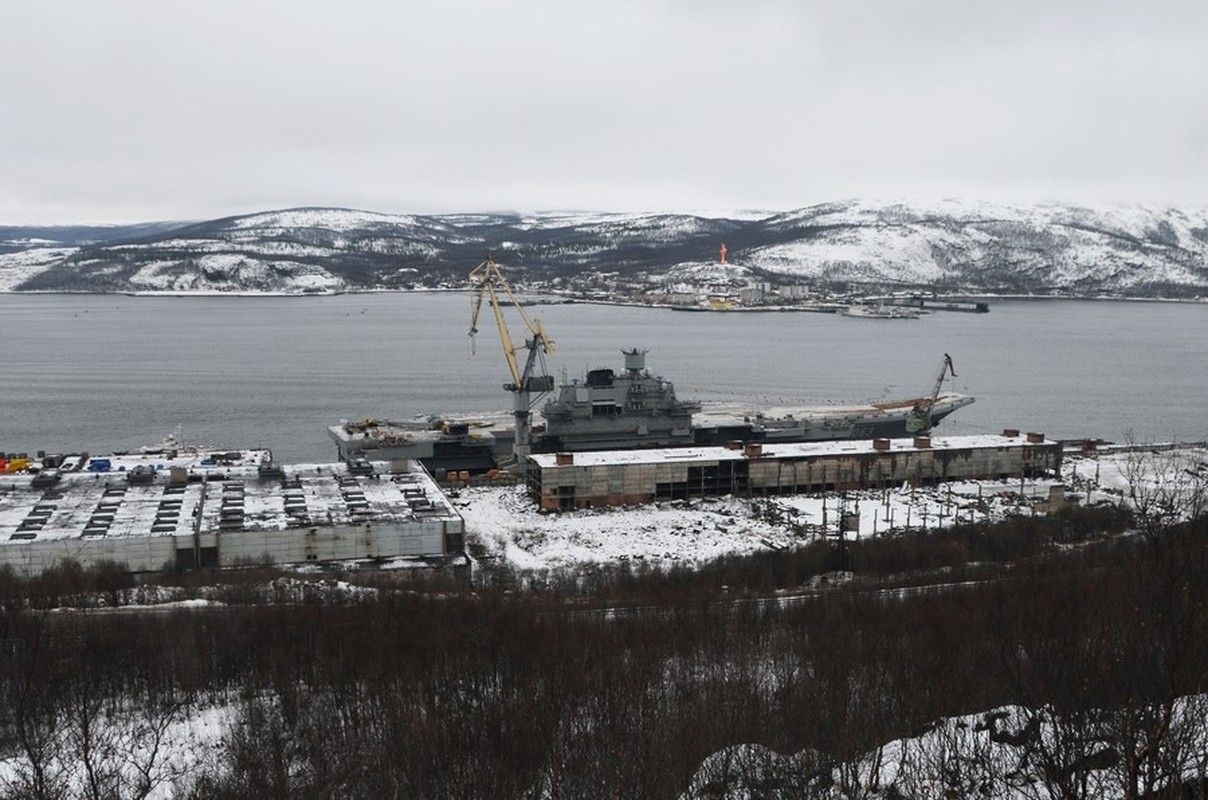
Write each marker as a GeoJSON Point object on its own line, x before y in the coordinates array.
{"type": "Point", "coordinates": [951, 245]}
{"type": "Point", "coordinates": [1034, 248]}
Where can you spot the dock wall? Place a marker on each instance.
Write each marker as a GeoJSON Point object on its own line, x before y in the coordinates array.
{"type": "Point", "coordinates": [567, 481]}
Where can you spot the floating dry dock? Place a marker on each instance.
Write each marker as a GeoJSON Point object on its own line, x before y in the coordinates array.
{"type": "Point", "coordinates": [582, 480]}
{"type": "Point", "coordinates": [223, 515]}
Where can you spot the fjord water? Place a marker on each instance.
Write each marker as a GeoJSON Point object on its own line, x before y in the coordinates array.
{"type": "Point", "coordinates": [107, 372]}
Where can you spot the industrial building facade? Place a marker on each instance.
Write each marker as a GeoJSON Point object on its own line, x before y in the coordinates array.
{"type": "Point", "coordinates": [227, 517]}
{"type": "Point", "coordinates": [582, 480]}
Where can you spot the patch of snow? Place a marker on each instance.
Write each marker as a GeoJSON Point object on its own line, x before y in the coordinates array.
{"type": "Point", "coordinates": [181, 741]}
{"type": "Point", "coordinates": [989, 754]}
{"type": "Point", "coordinates": [335, 219]}
{"type": "Point", "coordinates": [507, 525]}
{"type": "Point", "coordinates": [17, 268]}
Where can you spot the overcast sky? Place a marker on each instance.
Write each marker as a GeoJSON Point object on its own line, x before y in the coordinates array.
{"type": "Point", "coordinates": [136, 110]}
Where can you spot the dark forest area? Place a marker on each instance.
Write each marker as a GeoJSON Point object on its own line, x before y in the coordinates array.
{"type": "Point", "coordinates": [620, 684]}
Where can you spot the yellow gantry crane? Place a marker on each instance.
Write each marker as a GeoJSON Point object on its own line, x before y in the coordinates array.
{"type": "Point", "coordinates": [919, 420]}
{"type": "Point", "coordinates": [487, 281]}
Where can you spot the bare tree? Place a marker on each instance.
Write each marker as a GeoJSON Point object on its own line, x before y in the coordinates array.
{"type": "Point", "coordinates": [1165, 486]}
{"type": "Point", "coordinates": [34, 706]}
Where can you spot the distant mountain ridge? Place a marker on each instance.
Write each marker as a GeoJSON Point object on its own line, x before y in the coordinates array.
{"type": "Point", "coordinates": [948, 245]}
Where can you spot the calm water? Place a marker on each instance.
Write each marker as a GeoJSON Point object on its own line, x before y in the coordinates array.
{"type": "Point", "coordinates": [100, 373]}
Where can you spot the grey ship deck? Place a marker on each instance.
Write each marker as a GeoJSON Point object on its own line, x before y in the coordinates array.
{"type": "Point", "coordinates": [716, 423]}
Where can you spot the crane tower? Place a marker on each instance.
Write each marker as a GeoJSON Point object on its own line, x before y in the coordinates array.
{"type": "Point", "coordinates": [487, 282]}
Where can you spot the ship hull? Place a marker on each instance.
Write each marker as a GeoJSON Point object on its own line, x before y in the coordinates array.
{"type": "Point", "coordinates": [877, 421]}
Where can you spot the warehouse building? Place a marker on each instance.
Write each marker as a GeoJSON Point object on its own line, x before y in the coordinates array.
{"type": "Point", "coordinates": [148, 518]}
{"type": "Point", "coordinates": [582, 480]}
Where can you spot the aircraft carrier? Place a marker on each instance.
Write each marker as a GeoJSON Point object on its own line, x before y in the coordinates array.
{"type": "Point", "coordinates": [631, 408]}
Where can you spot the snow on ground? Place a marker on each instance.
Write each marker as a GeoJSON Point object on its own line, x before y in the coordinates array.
{"type": "Point", "coordinates": [335, 219]}
{"type": "Point", "coordinates": [16, 268]}
{"type": "Point", "coordinates": [1115, 471]}
{"type": "Point", "coordinates": [170, 744]}
{"type": "Point", "coordinates": [985, 754]}
{"type": "Point", "coordinates": [507, 525]}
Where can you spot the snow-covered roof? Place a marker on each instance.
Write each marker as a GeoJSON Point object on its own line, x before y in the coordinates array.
{"type": "Point", "coordinates": [774, 451]}
{"type": "Point", "coordinates": [107, 504]}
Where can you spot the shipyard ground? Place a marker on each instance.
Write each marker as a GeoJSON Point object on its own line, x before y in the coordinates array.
{"type": "Point", "coordinates": [319, 642]}
{"type": "Point", "coordinates": [504, 526]}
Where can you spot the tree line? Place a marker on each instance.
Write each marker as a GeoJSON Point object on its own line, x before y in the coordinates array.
{"type": "Point", "coordinates": [622, 682]}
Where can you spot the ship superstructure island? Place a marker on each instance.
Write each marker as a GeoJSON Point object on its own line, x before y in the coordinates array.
{"type": "Point", "coordinates": [610, 410]}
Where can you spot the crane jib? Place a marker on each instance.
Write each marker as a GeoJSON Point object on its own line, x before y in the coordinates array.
{"type": "Point", "coordinates": [486, 281]}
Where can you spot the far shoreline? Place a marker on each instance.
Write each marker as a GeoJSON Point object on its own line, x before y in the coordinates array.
{"type": "Point", "coordinates": [552, 298]}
